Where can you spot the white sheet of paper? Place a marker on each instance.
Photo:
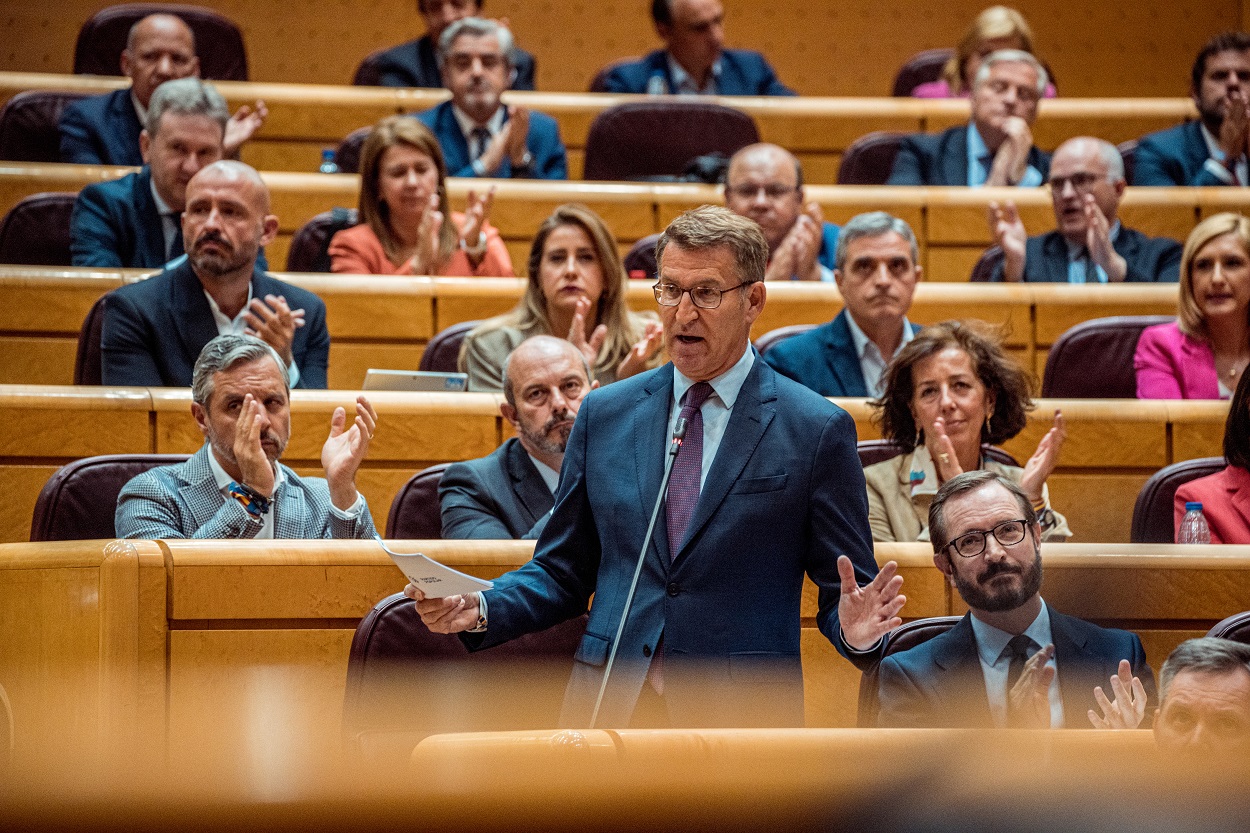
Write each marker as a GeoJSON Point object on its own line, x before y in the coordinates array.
{"type": "Point", "coordinates": [437, 580]}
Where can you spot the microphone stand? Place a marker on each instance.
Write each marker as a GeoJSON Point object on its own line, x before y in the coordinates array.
{"type": "Point", "coordinates": [679, 434]}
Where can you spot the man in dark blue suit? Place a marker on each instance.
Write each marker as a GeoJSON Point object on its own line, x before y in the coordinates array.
{"type": "Point", "coordinates": [1012, 660]}
{"type": "Point", "coordinates": [479, 134]}
{"type": "Point", "coordinates": [155, 329]}
{"type": "Point", "coordinates": [1089, 245]}
{"type": "Point", "coordinates": [1212, 150]}
{"type": "Point", "coordinates": [876, 271]}
{"type": "Point", "coordinates": [996, 146]}
{"type": "Point", "coordinates": [415, 63]}
{"type": "Point", "coordinates": [509, 493]}
{"type": "Point", "coordinates": [135, 221]}
{"type": "Point", "coordinates": [694, 60]}
{"type": "Point", "coordinates": [767, 487]}
{"type": "Point", "coordinates": [104, 129]}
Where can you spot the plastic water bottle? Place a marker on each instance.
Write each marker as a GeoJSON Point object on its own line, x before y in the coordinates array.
{"type": "Point", "coordinates": [1194, 528]}
{"type": "Point", "coordinates": [327, 162]}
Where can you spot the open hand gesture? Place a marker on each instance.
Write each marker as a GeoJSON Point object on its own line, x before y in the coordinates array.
{"type": "Point", "coordinates": [870, 612]}
{"type": "Point", "coordinates": [1044, 460]}
{"type": "Point", "coordinates": [1128, 708]}
{"type": "Point", "coordinates": [345, 449]}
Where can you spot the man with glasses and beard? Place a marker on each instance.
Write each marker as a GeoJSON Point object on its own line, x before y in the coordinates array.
{"type": "Point", "coordinates": [155, 329]}
{"type": "Point", "coordinates": [1012, 660]}
{"type": "Point", "coordinates": [509, 493]}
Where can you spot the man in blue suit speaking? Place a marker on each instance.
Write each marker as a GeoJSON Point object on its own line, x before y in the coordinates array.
{"type": "Point", "coordinates": [767, 487]}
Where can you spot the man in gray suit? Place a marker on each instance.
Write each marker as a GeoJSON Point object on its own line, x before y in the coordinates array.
{"type": "Point", "coordinates": [234, 486]}
{"type": "Point", "coordinates": [509, 493]}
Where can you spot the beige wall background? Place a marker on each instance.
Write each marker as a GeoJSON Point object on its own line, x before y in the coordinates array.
{"type": "Point", "coordinates": [819, 47]}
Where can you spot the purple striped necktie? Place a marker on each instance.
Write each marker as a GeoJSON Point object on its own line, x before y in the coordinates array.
{"type": "Point", "coordinates": [683, 487]}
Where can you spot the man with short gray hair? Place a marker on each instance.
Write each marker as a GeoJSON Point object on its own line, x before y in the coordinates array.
{"type": "Point", "coordinates": [877, 269]}
{"type": "Point", "coordinates": [104, 129]}
{"type": "Point", "coordinates": [996, 146]}
{"type": "Point", "coordinates": [235, 486]}
{"type": "Point", "coordinates": [1204, 700]}
{"type": "Point", "coordinates": [1089, 245]}
{"type": "Point", "coordinates": [134, 222]}
{"type": "Point", "coordinates": [479, 134]}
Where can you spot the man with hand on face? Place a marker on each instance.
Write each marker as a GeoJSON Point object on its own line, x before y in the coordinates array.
{"type": "Point", "coordinates": [996, 146]}
{"type": "Point", "coordinates": [234, 486]}
{"type": "Point", "coordinates": [1090, 245]}
{"type": "Point", "coordinates": [509, 493]}
{"type": "Point", "coordinates": [155, 329]}
{"type": "Point", "coordinates": [876, 273]}
{"type": "Point", "coordinates": [104, 129]}
{"type": "Point", "coordinates": [1212, 150]}
{"type": "Point", "coordinates": [415, 63]}
{"type": "Point", "coordinates": [765, 183]}
{"type": "Point", "coordinates": [479, 134]}
{"type": "Point", "coordinates": [1012, 660]}
{"type": "Point", "coordinates": [766, 488]}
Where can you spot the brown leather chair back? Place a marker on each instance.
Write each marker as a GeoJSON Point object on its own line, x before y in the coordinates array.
{"type": "Point", "coordinates": [442, 354]}
{"type": "Point", "coordinates": [415, 511]}
{"type": "Point", "coordinates": [983, 269]}
{"type": "Point", "coordinates": [639, 261]}
{"type": "Point", "coordinates": [89, 359]}
{"type": "Point", "coordinates": [347, 157]}
{"type": "Point", "coordinates": [310, 246]}
{"type": "Point", "coordinates": [772, 338]}
{"type": "Point", "coordinates": [1153, 518]}
{"type": "Point", "coordinates": [404, 682]}
{"type": "Point", "coordinates": [80, 499]}
{"type": "Point", "coordinates": [36, 230]}
{"type": "Point", "coordinates": [920, 68]}
{"type": "Point", "coordinates": [218, 41]}
{"type": "Point", "coordinates": [870, 159]}
{"type": "Point", "coordinates": [907, 635]}
{"type": "Point", "coordinates": [1094, 359]}
{"type": "Point", "coordinates": [656, 139]}
{"type": "Point", "coordinates": [28, 125]}
{"type": "Point", "coordinates": [1235, 627]}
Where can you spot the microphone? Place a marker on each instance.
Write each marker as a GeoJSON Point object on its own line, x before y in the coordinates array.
{"type": "Point", "coordinates": [679, 435]}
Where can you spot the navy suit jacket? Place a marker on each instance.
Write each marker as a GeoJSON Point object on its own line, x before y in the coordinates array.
{"type": "Point", "coordinates": [743, 72]}
{"type": "Point", "coordinates": [942, 159]}
{"type": "Point", "coordinates": [543, 143]}
{"type": "Point", "coordinates": [823, 359]}
{"type": "Point", "coordinates": [415, 64]}
{"type": "Point", "coordinates": [939, 683]}
{"type": "Point", "coordinates": [101, 130]}
{"type": "Point", "coordinates": [1149, 259]}
{"type": "Point", "coordinates": [784, 496]}
{"type": "Point", "coordinates": [1175, 156]}
{"type": "Point", "coordinates": [155, 329]}
{"type": "Point", "coordinates": [117, 223]}
{"type": "Point", "coordinates": [498, 496]}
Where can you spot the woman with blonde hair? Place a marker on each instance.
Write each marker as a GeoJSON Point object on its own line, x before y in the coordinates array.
{"type": "Point", "coordinates": [1203, 354]}
{"type": "Point", "coordinates": [576, 290]}
{"type": "Point", "coordinates": [406, 223]}
{"type": "Point", "coordinates": [997, 27]}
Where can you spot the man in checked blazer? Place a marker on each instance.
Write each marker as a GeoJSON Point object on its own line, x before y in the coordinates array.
{"type": "Point", "coordinates": [234, 487]}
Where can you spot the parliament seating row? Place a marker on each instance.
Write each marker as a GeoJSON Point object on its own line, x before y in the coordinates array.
{"type": "Point", "coordinates": [306, 118]}
{"type": "Point", "coordinates": [1113, 446]}
{"type": "Point", "coordinates": [203, 640]}
{"type": "Point", "coordinates": [950, 223]}
{"type": "Point", "coordinates": [386, 321]}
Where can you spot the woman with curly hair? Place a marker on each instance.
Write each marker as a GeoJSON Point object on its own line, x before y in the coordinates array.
{"type": "Point", "coordinates": [949, 392]}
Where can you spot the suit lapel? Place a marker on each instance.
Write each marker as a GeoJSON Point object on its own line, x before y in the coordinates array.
{"type": "Point", "coordinates": [199, 492]}
{"type": "Point", "coordinates": [1239, 491]}
{"type": "Point", "coordinates": [651, 446]}
{"type": "Point", "coordinates": [954, 157]}
{"type": "Point", "coordinates": [455, 146]}
{"type": "Point", "coordinates": [149, 226]}
{"type": "Point", "coordinates": [1054, 258]}
{"type": "Point", "coordinates": [527, 483]}
{"type": "Point", "coordinates": [1076, 675]}
{"type": "Point", "coordinates": [291, 520]}
{"type": "Point", "coordinates": [191, 318]}
{"type": "Point", "coordinates": [962, 682]}
{"type": "Point", "coordinates": [841, 359]}
{"type": "Point", "coordinates": [752, 412]}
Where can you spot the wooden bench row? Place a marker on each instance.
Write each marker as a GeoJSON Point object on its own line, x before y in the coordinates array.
{"type": "Point", "coordinates": [950, 223]}
{"type": "Point", "coordinates": [204, 641]}
{"type": "Point", "coordinates": [1113, 445]}
{"type": "Point", "coordinates": [305, 118]}
{"type": "Point", "coordinates": [386, 321]}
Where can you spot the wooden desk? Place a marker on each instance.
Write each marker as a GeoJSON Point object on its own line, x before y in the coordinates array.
{"type": "Point", "coordinates": [305, 118]}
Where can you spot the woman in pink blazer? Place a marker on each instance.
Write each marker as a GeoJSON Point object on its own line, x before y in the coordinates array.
{"type": "Point", "coordinates": [1225, 495]}
{"type": "Point", "coordinates": [1203, 354]}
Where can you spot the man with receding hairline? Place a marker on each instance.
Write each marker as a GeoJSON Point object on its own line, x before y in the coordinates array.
{"type": "Point", "coordinates": [104, 130]}
{"type": "Point", "coordinates": [155, 329]}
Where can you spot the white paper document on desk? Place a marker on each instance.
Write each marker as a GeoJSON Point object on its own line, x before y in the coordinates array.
{"type": "Point", "coordinates": [435, 580]}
